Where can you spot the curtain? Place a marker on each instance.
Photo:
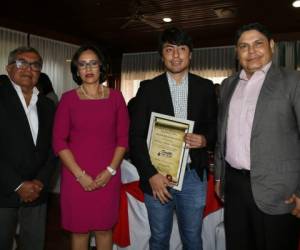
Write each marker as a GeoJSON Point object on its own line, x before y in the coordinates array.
{"type": "Point", "coordinates": [213, 63]}
{"type": "Point", "coordinates": [137, 67]}
{"type": "Point", "coordinates": [56, 57]}
{"type": "Point", "coordinates": [9, 40]}
{"type": "Point", "coordinates": [287, 54]}
{"type": "Point", "coordinates": [298, 55]}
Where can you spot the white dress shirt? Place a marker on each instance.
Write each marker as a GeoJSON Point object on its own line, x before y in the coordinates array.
{"type": "Point", "coordinates": [30, 110]}
{"type": "Point", "coordinates": [31, 113]}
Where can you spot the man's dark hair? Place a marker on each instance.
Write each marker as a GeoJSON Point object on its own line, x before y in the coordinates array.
{"type": "Point", "coordinates": [174, 36]}
{"type": "Point", "coordinates": [252, 26]}
{"type": "Point", "coordinates": [20, 50]}
{"type": "Point", "coordinates": [103, 67]}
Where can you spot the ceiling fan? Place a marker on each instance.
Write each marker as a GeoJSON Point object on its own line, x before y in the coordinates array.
{"type": "Point", "coordinates": [139, 16]}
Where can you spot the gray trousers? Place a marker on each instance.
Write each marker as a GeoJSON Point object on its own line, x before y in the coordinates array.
{"type": "Point", "coordinates": [32, 221]}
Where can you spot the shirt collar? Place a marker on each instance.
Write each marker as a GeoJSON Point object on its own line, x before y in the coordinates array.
{"type": "Point", "coordinates": [34, 97]}
{"type": "Point", "coordinates": [264, 70]}
{"type": "Point", "coordinates": [35, 91]}
{"type": "Point", "coordinates": [172, 81]}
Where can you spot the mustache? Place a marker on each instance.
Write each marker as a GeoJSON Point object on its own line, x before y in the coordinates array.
{"type": "Point", "coordinates": [26, 75]}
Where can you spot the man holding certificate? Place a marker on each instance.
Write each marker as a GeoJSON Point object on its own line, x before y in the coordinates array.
{"type": "Point", "coordinates": [155, 138]}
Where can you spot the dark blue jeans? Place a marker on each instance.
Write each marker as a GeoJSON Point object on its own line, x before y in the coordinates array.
{"type": "Point", "coordinates": [188, 204]}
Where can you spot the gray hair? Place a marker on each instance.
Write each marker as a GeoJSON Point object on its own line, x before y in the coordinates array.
{"type": "Point", "coordinates": [20, 50]}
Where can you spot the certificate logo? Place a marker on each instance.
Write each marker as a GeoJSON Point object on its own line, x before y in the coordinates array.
{"type": "Point", "coordinates": [164, 153]}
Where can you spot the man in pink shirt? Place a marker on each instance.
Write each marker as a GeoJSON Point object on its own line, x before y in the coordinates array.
{"type": "Point", "coordinates": [258, 149]}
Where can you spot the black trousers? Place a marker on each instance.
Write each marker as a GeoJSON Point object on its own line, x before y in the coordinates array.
{"type": "Point", "coordinates": [246, 226]}
{"type": "Point", "coordinates": [32, 221]}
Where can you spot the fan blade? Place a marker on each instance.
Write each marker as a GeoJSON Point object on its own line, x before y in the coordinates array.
{"type": "Point", "coordinates": [125, 25]}
{"type": "Point", "coordinates": [149, 22]}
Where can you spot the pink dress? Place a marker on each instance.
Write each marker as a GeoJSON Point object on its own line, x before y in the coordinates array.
{"type": "Point", "coordinates": [91, 129]}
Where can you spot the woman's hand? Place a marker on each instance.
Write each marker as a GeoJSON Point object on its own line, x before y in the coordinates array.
{"type": "Point", "coordinates": [87, 182]}
{"type": "Point", "coordinates": [103, 178]}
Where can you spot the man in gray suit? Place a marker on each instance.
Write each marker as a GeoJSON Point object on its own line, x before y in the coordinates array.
{"type": "Point", "coordinates": [258, 149]}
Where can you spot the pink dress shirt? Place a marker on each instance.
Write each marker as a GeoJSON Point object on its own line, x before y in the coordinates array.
{"type": "Point", "coordinates": [240, 118]}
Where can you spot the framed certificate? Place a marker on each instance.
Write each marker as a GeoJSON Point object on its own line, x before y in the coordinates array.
{"type": "Point", "coordinates": [166, 146]}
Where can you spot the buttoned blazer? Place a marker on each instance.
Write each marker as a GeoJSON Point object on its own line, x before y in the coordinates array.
{"type": "Point", "coordinates": [275, 139]}
{"type": "Point", "coordinates": [20, 158]}
{"type": "Point", "coordinates": [154, 96]}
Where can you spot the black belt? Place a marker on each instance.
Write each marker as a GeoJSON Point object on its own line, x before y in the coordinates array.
{"type": "Point", "coordinates": [245, 172]}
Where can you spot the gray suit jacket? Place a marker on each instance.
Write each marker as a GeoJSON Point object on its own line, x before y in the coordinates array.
{"type": "Point", "coordinates": [275, 139]}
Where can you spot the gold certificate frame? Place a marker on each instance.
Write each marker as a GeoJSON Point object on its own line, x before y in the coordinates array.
{"type": "Point", "coordinates": [167, 147]}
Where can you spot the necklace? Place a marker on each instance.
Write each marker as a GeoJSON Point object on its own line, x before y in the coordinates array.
{"type": "Point", "coordinates": [97, 96]}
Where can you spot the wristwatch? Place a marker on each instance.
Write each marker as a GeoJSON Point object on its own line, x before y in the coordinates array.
{"type": "Point", "coordinates": [111, 170]}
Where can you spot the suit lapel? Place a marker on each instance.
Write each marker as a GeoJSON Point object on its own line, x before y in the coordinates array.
{"type": "Point", "coordinates": [41, 117]}
{"type": "Point", "coordinates": [166, 96]}
{"type": "Point", "coordinates": [267, 89]}
{"type": "Point", "coordinates": [190, 100]}
{"type": "Point", "coordinates": [17, 113]}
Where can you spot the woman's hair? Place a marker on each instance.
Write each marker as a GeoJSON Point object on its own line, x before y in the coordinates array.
{"type": "Point", "coordinates": [4, 79]}
{"type": "Point", "coordinates": [103, 63]}
{"type": "Point", "coordinates": [44, 84]}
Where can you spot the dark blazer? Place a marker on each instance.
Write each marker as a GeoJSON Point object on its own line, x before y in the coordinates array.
{"type": "Point", "coordinates": [20, 159]}
{"type": "Point", "coordinates": [155, 96]}
{"type": "Point", "coordinates": [275, 139]}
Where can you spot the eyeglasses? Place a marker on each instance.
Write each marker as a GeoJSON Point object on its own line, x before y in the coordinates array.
{"type": "Point", "coordinates": [22, 64]}
{"type": "Point", "coordinates": [92, 64]}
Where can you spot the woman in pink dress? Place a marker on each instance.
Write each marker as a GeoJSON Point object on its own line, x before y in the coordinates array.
{"type": "Point", "coordinates": [90, 136]}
